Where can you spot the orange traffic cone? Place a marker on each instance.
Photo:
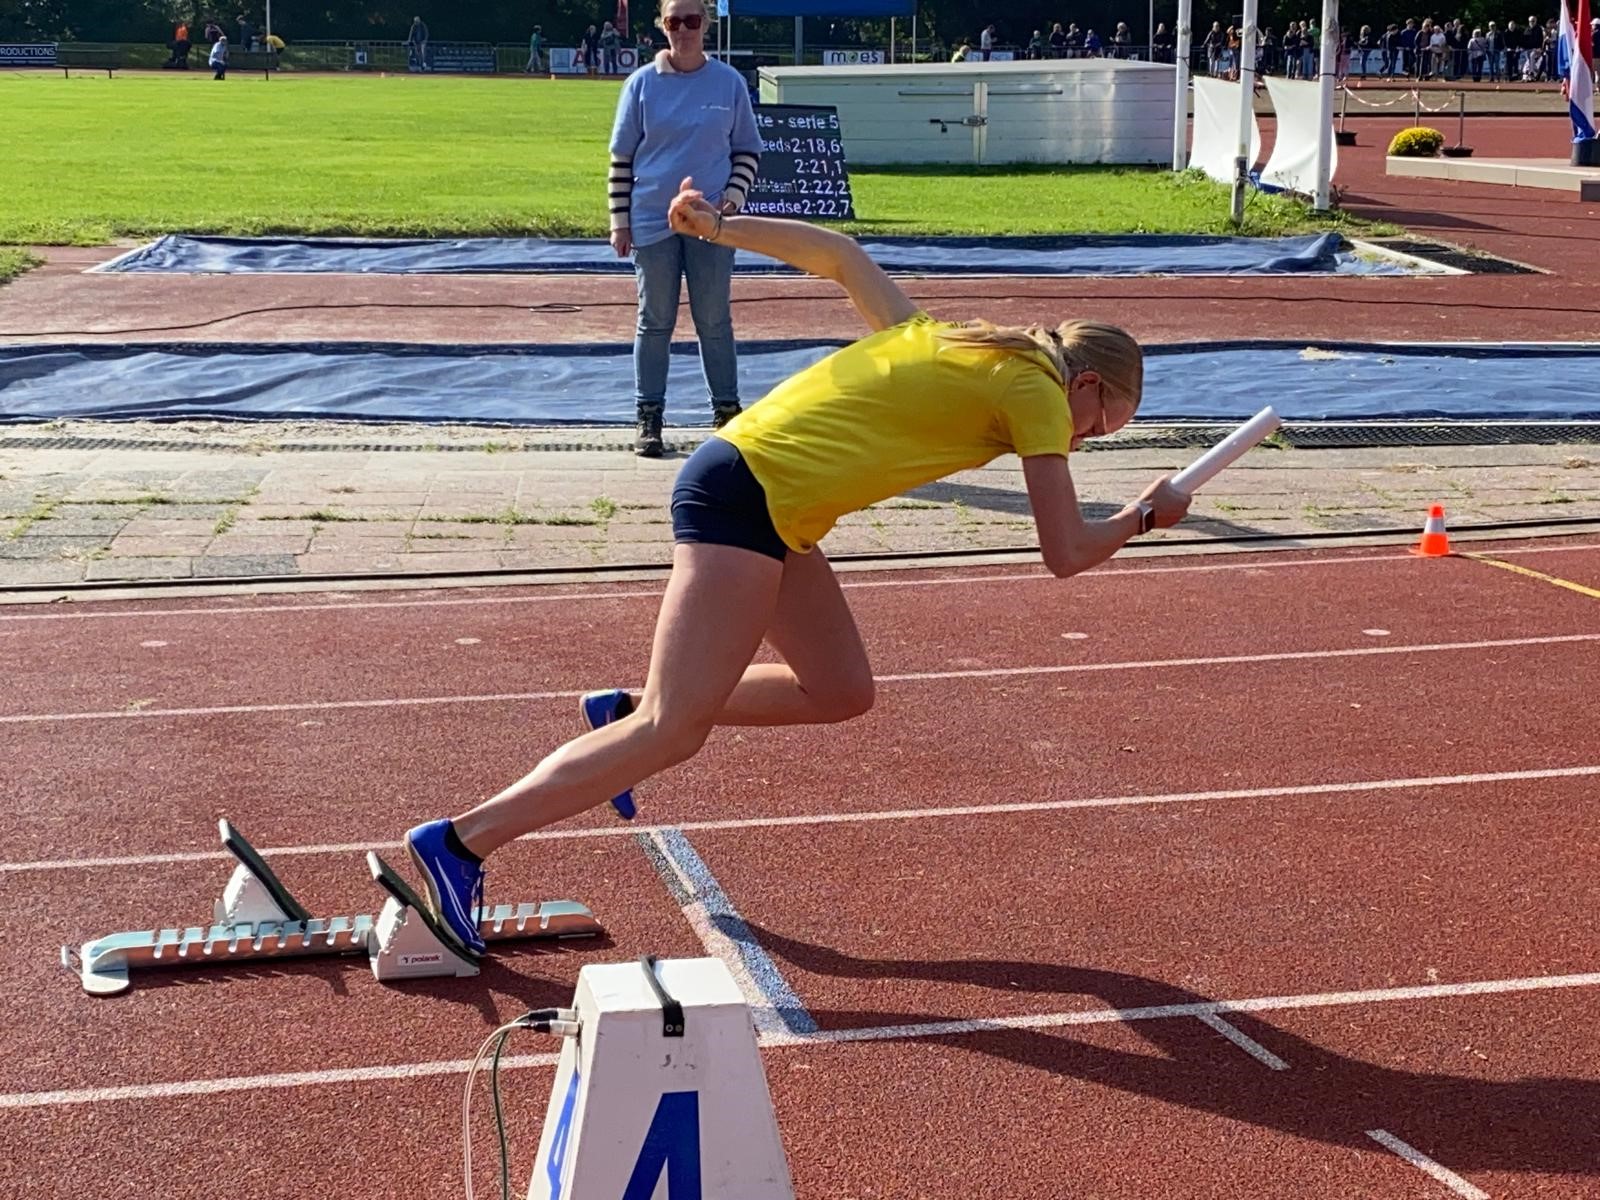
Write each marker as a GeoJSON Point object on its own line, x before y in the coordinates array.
{"type": "Point", "coordinates": [1435, 541]}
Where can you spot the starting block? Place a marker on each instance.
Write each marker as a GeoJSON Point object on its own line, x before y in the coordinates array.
{"type": "Point", "coordinates": [661, 1091]}
{"type": "Point", "coordinates": [257, 918]}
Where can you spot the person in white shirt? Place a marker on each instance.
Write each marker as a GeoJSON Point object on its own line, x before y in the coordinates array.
{"type": "Point", "coordinates": [1477, 51]}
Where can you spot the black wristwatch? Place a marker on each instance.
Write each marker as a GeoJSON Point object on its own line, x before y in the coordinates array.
{"type": "Point", "coordinates": [1147, 516]}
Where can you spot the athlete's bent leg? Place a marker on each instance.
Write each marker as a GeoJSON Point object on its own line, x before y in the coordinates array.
{"type": "Point", "coordinates": [718, 603]}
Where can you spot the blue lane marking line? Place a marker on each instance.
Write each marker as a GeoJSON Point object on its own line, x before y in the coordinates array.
{"type": "Point", "coordinates": [675, 860]}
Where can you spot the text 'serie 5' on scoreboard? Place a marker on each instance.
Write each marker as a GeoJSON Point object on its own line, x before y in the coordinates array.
{"type": "Point", "coordinates": [802, 164]}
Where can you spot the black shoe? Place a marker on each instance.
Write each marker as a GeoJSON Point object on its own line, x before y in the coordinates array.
{"type": "Point", "coordinates": [721, 414]}
{"type": "Point", "coordinates": [647, 442]}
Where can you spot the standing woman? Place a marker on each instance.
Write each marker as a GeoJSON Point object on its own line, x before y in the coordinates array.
{"type": "Point", "coordinates": [682, 115]}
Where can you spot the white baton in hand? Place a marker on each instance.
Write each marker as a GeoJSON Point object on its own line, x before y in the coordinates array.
{"type": "Point", "coordinates": [1226, 452]}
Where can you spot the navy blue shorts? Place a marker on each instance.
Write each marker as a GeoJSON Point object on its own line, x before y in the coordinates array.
{"type": "Point", "coordinates": [717, 499]}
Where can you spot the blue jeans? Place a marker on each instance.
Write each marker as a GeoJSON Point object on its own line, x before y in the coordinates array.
{"type": "Point", "coordinates": [660, 268]}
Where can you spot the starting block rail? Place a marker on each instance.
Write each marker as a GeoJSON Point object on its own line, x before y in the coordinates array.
{"type": "Point", "coordinates": [258, 918]}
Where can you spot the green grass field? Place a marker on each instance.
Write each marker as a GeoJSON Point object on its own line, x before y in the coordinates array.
{"type": "Point", "coordinates": [15, 262]}
{"type": "Point", "coordinates": [91, 159]}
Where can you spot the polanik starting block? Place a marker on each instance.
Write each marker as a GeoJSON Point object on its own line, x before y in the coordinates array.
{"type": "Point", "coordinates": [257, 918]}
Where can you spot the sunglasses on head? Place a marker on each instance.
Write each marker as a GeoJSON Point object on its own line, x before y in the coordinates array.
{"type": "Point", "coordinates": [673, 24]}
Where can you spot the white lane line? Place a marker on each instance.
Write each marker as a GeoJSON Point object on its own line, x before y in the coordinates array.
{"type": "Point", "coordinates": [805, 820]}
{"type": "Point", "coordinates": [301, 706]}
{"type": "Point", "coordinates": [774, 1005]}
{"type": "Point", "coordinates": [1422, 1162]}
{"type": "Point", "coordinates": [1100, 1016]}
{"type": "Point", "coordinates": [251, 1083]}
{"type": "Point", "coordinates": [1244, 1041]}
{"type": "Point", "coordinates": [1146, 664]}
{"type": "Point", "coordinates": [929, 1029]}
{"type": "Point", "coordinates": [717, 944]}
{"type": "Point", "coordinates": [1219, 660]}
{"type": "Point", "coordinates": [1397, 556]}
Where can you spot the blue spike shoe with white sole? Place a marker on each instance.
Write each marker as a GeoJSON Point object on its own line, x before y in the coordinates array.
{"type": "Point", "coordinates": [602, 708]}
{"type": "Point", "coordinates": [455, 884]}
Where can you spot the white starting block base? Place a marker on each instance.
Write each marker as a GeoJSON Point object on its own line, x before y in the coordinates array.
{"type": "Point", "coordinates": [639, 1113]}
{"type": "Point", "coordinates": [257, 917]}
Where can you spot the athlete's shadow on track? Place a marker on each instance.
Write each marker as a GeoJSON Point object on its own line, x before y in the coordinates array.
{"type": "Point", "coordinates": [1529, 1124]}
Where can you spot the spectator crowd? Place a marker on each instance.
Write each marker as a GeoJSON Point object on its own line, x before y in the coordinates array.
{"type": "Point", "coordinates": [1418, 49]}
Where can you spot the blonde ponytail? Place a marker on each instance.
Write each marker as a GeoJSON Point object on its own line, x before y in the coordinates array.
{"type": "Point", "coordinates": [1071, 347]}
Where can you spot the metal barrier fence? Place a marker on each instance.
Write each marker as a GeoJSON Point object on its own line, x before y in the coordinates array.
{"type": "Point", "coordinates": [368, 55]}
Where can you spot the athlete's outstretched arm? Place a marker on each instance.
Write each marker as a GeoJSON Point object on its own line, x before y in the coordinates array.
{"type": "Point", "coordinates": [1068, 541]}
{"type": "Point", "coordinates": [817, 251]}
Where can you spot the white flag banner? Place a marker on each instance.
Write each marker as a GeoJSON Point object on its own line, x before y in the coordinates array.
{"type": "Point", "coordinates": [1293, 163]}
{"type": "Point", "coordinates": [1216, 128]}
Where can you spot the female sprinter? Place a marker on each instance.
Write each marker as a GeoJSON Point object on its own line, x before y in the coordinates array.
{"type": "Point", "coordinates": [916, 400]}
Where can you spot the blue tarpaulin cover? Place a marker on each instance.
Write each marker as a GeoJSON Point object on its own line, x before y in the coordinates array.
{"type": "Point", "coordinates": [578, 384]}
{"type": "Point", "coordinates": [1124, 254]}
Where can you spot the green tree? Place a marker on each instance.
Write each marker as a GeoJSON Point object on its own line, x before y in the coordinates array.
{"type": "Point", "coordinates": [92, 20]}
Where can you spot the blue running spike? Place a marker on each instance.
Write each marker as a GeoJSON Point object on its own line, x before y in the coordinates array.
{"type": "Point", "coordinates": [602, 708]}
{"type": "Point", "coordinates": [455, 886]}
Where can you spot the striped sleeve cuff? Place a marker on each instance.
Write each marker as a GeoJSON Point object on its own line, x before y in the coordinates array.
{"type": "Point", "coordinates": [742, 178]}
{"type": "Point", "coordinates": [619, 190]}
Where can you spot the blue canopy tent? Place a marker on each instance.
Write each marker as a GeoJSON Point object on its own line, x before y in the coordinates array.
{"type": "Point", "coordinates": [801, 9]}
{"type": "Point", "coordinates": [823, 8]}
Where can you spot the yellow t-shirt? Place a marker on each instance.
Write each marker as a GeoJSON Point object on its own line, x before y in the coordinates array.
{"type": "Point", "coordinates": [889, 413]}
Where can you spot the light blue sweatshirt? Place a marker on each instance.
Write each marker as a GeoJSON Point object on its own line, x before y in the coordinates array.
{"type": "Point", "coordinates": [675, 123]}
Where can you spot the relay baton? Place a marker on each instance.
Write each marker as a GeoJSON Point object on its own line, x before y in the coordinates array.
{"type": "Point", "coordinates": [1226, 452]}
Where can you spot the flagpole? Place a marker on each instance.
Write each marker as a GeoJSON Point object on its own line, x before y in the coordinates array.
{"type": "Point", "coordinates": [1328, 70]}
{"type": "Point", "coordinates": [1180, 103]}
{"type": "Point", "coordinates": [1243, 159]}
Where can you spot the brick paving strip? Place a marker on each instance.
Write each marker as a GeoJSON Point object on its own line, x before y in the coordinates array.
{"type": "Point", "coordinates": [220, 503]}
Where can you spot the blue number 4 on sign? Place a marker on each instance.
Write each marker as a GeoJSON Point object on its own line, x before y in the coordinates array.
{"type": "Point", "coordinates": [673, 1144]}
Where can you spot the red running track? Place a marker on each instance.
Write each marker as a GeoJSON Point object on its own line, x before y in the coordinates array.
{"type": "Point", "coordinates": [1297, 816]}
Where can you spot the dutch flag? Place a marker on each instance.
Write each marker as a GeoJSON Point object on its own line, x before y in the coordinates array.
{"type": "Point", "coordinates": [1577, 78]}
